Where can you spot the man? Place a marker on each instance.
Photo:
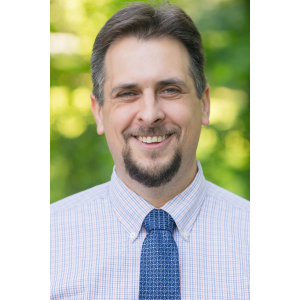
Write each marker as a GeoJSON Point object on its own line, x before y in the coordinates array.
{"type": "Point", "coordinates": [158, 229]}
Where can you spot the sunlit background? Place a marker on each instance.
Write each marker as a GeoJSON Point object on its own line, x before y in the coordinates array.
{"type": "Point", "coordinates": [81, 159]}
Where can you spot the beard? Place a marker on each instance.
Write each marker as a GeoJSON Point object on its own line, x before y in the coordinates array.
{"type": "Point", "coordinates": [159, 174]}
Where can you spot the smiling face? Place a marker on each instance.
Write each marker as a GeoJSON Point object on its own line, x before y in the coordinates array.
{"type": "Point", "coordinates": [151, 114]}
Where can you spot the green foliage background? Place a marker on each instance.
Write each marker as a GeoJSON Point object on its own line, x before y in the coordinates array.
{"type": "Point", "coordinates": [81, 159]}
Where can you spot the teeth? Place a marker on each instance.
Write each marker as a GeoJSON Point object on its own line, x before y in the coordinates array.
{"type": "Point", "coordinates": [153, 139]}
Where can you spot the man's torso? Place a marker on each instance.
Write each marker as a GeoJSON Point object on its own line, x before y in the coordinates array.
{"type": "Point", "coordinates": [92, 256]}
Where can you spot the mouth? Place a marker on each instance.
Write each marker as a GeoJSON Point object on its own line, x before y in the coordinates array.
{"type": "Point", "coordinates": [152, 139]}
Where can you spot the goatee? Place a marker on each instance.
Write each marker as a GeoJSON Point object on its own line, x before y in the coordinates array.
{"type": "Point", "coordinates": [157, 176]}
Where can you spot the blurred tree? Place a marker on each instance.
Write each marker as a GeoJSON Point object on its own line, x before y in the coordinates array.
{"type": "Point", "coordinates": [81, 159]}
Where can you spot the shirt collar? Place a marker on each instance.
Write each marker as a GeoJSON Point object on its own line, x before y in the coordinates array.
{"type": "Point", "coordinates": [131, 209]}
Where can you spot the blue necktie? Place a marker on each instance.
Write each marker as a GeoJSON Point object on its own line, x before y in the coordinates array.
{"type": "Point", "coordinates": [159, 269]}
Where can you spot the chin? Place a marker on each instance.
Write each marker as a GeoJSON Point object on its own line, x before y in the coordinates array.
{"type": "Point", "coordinates": [156, 172]}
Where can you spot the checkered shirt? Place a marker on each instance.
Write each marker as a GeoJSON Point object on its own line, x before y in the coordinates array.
{"type": "Point", "coordinates": [97, 237]}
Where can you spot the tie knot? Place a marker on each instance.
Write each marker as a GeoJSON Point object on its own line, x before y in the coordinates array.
{"type": "Point", "coordinates": [159, 219]}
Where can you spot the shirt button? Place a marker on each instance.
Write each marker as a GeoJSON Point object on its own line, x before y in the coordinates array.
{"type": "Point", "coordinates": [132, 235]}
{"type": "Point", "coordinates": [186, 235]}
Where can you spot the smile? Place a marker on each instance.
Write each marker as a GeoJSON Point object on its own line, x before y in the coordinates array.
{"type": "Point", "coordinates": [152, 139]}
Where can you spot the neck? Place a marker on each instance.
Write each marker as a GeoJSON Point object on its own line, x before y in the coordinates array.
{"type": "Point", "coordinates": [159, 196]}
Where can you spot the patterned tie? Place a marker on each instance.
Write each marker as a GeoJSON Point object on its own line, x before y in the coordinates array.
{"type": "Point", "coordinates": [159, 270]}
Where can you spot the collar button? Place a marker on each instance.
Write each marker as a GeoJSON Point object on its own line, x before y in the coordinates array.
{"type": "Point", "coordinates": [186, 235]}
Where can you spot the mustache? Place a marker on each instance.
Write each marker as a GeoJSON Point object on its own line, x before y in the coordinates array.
{"type": "Point", "coordinates": [151, 131]}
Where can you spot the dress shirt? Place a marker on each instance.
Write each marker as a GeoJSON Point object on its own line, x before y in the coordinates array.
{"type": "Point", "coordinates": [97, 237]}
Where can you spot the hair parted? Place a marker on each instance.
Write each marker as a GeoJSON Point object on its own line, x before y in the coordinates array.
{"type": "Point", "coordinates": [148, 21]}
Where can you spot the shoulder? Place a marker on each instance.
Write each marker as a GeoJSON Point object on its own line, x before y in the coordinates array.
{"type": "Point", "coordinates": [226, 198]}
{"type": "Point", "coordinates": [227, 208]}
{"type": "Point", "coordinates": [227, 213]}
{"type": "Point", "coordinates": [77, 201]}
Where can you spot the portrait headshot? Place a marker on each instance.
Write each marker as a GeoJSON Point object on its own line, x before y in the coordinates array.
{"type": "Point", "coordinates": [150, 150]}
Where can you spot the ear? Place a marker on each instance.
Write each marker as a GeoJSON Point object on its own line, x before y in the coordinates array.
{"type": "Point", "coordinates": [205, 106]}
{"type": "Point", "coordinates": [97, 111]}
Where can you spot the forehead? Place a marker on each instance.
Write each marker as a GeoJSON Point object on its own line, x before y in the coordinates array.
{"type": "Point", "coordinates": [145, 61]}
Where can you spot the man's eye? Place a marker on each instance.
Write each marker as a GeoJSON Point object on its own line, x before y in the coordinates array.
{"type": "Point", "coordinates": [126, 94]}
{"type": "Point", "coordinates": [171, 91]}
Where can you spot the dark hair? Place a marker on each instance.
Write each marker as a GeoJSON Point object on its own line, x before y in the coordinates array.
{"type": "Point", "coordinates": [148, 21]}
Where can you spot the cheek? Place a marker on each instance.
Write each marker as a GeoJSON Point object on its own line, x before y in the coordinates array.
{"type": "Point", "coordinates": [188, 117]}
{"type": "Point", "coordinates": [118, 119]}
{"type": "Point", "coordinates": [176, 111]}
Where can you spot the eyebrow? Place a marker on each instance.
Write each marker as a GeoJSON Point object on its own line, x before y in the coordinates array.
{"type": "Point", "coordinates": [164, 82]}
{"type": "Point", "coordinates": [170, 81]}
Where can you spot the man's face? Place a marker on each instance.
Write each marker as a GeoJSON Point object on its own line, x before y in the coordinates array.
{"type": "Point", "coordinates": [151, 115]}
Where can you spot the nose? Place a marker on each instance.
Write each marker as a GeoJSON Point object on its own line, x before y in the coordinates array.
{"type": "Point", "coordinates": [150, 110]}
